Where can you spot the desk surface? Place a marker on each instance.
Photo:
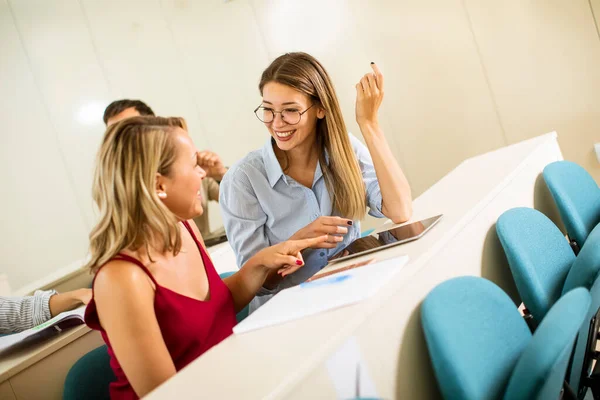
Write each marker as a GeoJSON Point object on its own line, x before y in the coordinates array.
{"type": "Point", "coordinates": [267, 363]}
{"type": "Point", "coordinates": [13, 363]}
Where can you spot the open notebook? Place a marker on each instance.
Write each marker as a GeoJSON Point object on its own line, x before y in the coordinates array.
{"type": "Point", "coordinates": [49, 328]}
{"type": "Point", "coordinates": [342, 288]}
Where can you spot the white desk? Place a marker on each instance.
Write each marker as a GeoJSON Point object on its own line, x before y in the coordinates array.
{"type": "Point", "coordinates": [287, 361]}
{"type": "Point", "coordinates": [39, 371]}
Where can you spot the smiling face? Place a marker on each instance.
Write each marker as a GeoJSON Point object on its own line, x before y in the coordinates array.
{"type": "Point", "coordinates": [182, 186]}
{"type": "Point", "coordinates": [282, 98]}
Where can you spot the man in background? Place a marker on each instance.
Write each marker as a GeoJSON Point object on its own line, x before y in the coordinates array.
{"type": "Point", "coordinates": [121, 109]}
{"type": "Point", "coordinates": [209, 161]}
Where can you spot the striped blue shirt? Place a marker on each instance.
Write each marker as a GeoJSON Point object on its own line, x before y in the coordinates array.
{"type": "Point", "coordinates": [261, 206]}
{"type": "Point", "coordinates": [20, 313]}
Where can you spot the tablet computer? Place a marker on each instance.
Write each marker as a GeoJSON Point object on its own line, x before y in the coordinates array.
{"type": "Point", "coordinates": [388, 238]}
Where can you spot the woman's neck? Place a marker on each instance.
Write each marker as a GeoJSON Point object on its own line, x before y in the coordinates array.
{"type": "Point", "coordinates": [152, 251]}
{"type": "Point", "coordinates": [304, 156]}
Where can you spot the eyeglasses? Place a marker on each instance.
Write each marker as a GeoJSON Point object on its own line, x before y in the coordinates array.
{"type": "Point", "coordinates": [289, 115]}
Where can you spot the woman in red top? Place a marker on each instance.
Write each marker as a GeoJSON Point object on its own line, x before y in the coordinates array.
{"type": "Point", "coordinates": [157, 300]}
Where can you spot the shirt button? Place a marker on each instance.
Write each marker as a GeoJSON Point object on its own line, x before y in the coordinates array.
{"type": "Point", "coordinates": [322, 254]}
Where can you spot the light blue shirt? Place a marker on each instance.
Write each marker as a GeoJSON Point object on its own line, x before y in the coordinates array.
{"type": "Point", "coordinates": [261, 206]}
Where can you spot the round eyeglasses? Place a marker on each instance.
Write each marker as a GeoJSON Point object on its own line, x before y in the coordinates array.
{"type": "Point", "coordinates": [290, 116]}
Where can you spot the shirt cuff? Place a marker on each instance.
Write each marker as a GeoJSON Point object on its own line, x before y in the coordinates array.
{"type": "Point", "coordinates": [41, 306]}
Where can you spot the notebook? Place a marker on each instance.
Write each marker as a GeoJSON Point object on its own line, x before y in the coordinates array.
{"type": "Point", "coordinates": [317, 296]}
{"type": "Point", "coordinates": [49, 328]}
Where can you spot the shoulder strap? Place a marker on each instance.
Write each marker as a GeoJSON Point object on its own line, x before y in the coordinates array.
{"type": "Point", "coordinates": [125, 257]}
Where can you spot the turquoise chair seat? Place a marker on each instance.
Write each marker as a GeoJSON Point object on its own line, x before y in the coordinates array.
{"type": "Point", "coordinates": [539, 257]}
{"type": "Point", "coordinates": [577, 198]}
{"type": "Point", "coordinates": [89, 378]}
{"type": "Point", "coordinates": [481, 348]}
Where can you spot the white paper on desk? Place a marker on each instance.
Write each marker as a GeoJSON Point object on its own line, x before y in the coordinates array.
{"type": "Point", "coordinates": [11, 340]}
{"type": "Point", "coordinates": [324, 294]}
{"type": "Point", "coordinates": [349, 372]}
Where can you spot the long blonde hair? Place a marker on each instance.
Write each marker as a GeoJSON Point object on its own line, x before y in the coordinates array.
{"type": "Point", "coordinates": [133, 151]}
{"type": "Point", "coordinates": [342, 175]}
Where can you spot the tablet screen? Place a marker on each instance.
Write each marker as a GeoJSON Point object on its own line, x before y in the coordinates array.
{"type": "Point", "coordinates": [401, 234]}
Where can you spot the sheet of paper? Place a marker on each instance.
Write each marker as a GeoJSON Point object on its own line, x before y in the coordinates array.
{"type": "Point", "coordinates": [324, 294]}
{"type": "Point", "coordinates": [349, 372]}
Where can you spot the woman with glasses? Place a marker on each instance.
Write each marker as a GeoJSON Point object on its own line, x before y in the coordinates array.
{"type": "Point", "coordinates": [311, 178]}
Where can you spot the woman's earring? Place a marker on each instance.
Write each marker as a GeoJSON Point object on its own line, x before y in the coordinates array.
{"type": "Point", "coordinates": [162, 195]}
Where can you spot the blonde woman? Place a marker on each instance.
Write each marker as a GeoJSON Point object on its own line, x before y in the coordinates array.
{"type": "Point", "coordinates": [311, 178]}
{"type": "Point", "coordinates": [157, 299]}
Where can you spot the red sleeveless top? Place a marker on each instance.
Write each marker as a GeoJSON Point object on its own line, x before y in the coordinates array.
{"type": "Point", "coordinates": [189, 326]}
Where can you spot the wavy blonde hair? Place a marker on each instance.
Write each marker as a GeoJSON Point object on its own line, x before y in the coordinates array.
{"type": "Point", "coordinates": [342, 175]}
{"type": "Point", "coordinates": [133, 151]}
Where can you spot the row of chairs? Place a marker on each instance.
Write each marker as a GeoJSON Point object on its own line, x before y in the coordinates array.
{"type": "Point", "coordinates": [479, 345]}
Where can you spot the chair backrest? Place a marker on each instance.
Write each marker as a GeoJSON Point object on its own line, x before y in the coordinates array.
{"type": "Point", "coordinates": [577, 198]}
{"type": "Point", "coordinates": [244, 312]}
{"type": "Point", "coordinates": [539, 257]}
{"type": "Point", "coordinates": [475, 336]}
{"type": "Point", "coordinates": [584, 273]}
{"type": "Point", "coordinates": [541, 369]}
{"type": "Point", "coordinates": [89, 377]}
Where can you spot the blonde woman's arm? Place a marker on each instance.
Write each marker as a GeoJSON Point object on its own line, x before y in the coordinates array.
{"type": "Point", "coordinates": [395, 189]}
{"type": "Point", "coordinates": [281, 259]}
{"type": "Point", "coordinates": [124, 297]}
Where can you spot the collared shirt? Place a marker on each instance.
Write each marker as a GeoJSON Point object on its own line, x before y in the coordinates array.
{"type": "Point", "coordinates": [20, 313]}
{"type": "Point", "coordinates": [261, 206]}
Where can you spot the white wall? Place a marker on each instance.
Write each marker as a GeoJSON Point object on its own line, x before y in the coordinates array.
{"type": "Point", "coordinates": [462, 77]}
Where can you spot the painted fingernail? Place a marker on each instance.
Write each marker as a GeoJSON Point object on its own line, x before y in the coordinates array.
{"type": "Point", "coordinates": [372, 62]}
{"type": "Point", "coordinates": [298, 262]}
{"type": "Point", "coordinates": [350, 222]}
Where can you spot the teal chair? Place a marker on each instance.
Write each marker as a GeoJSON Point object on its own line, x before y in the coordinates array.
{"type": "Point", "coordinates": [89, 377]}
{"type": "Point", "coordinates": [244, 313]}
{"type": "Point", "coordinates": [481, 348]}
{"type": "Point", "coordinates": [539, 257]}
{"type": "Point", "coordinates": [544, 269]}
{"type": "Point", "coordinates": [585, 273]}
{"type": "Point", "coordinates": [577, 198]}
